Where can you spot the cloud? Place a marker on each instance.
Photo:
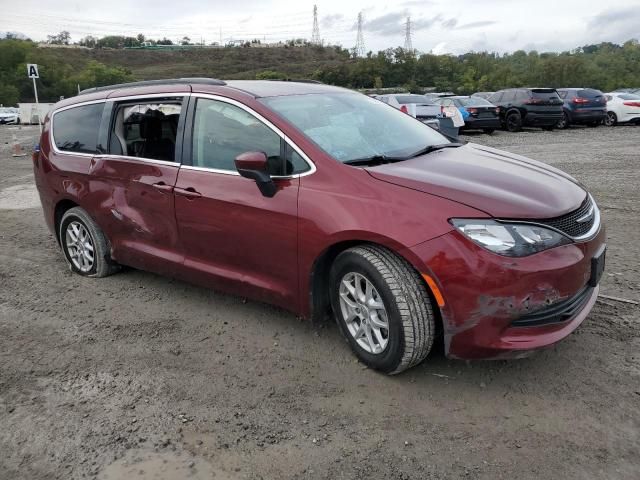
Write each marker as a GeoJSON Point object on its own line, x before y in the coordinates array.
{"type": "Point", "coordinates": [450, 23]}
{"type": "Point", "coordinates": [385, 25]}
{"type": "Point", "coordinates": [328, 21]}
{"type": "Point", "coordinates": [416, 3]}
{"type": "Point", "coordinates": [482, 23]}
{"type": "Point", "coordinates": [619, 24]}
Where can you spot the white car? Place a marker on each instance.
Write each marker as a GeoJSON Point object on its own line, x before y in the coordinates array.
{"type": "Point", "coordinates": [9, 115]}
{"type": "Point", "coordinates": [622, 107]}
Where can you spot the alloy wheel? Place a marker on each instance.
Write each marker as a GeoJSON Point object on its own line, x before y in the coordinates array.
{"type": "Point", "coordinates": [610, 119]}
{"type": "Point", "coordinates": [364, 313]}
{"type": "Point", "coordinates": [79, 246]}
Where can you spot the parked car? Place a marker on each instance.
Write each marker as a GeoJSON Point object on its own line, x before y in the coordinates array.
{"type": "Point", "coordinates": [319, 199]}
{"type": "Point", "coordinates": [530, 107]}
{"type": "Point", "coordinates": [582, 105]}
{"type": "Point", "coordinates": [484, 95]}
{"type": "Point", "coordinates": [477, 113]}
{"type": "Point", "coordinates": [425, 109]}
{"type": "Point", "coordinates": [622, 108]}
{"type": "Point", "coordinates": [9, 116]}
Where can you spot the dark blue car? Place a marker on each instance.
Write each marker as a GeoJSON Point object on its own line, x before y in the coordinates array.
{"type": "Point", "coordinates": [585, 106]}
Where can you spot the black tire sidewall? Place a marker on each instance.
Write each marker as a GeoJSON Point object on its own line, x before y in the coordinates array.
{"type": "Point", "coordinates": [517, 124]}
{"type": "Point", "coordinates": [74, 217]}
{"type": "Point", "coordinates": [390, 358]}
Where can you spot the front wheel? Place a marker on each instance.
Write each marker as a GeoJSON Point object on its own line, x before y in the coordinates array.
{"type": "Point", "coordinates": [383, 308]}
{"type": "Point", "coordinates": [85, 247]}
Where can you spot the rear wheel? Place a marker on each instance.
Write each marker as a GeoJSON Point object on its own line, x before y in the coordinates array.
{"type": "Point", "coordinates": [611, 119]}
{"type": "Point", "coordinates": [513, 121]}
{"type": "Point", "coordinates": [564, 121]}
{"type": "Point", "coordinates": [383, 308]}
{"type": "Point", "coordinates": [85, 247]}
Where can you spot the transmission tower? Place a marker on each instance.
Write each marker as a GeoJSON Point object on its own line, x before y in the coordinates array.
{"type": "Point", "coordinates": [359, 50]}
{"type": "Point", "coordinates": [315, 34]}
{"type": "Point", "coordinates": [408, 45]}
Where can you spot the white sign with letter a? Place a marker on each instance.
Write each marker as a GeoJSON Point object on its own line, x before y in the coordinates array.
{"type": "Point", "coordinates": [32, 70]}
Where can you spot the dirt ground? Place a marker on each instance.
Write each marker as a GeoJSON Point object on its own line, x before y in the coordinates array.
{"type": "Point", "coordinates": [139, 376]}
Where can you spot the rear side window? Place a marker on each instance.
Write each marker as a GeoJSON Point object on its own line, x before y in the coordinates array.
{"type": "Point", "coordinates": [563, 93]}
{"type": "Point", "coordinates": [76, 129]}
{"type": "Point", "coordinates": [508, 96]}
{"type": "Point", "coordinates": [146, 130]}
{"type": "Point", "coordinates": [496, 97]}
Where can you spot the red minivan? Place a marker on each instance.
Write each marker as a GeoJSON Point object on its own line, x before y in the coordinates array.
{"type": "Point", "coordinates": [322, 200]}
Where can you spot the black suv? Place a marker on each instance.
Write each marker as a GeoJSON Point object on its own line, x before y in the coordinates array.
{"type": "Point", "coordinates": [582, 105]}
{"type": "Point", "coordinates": [530, 107]}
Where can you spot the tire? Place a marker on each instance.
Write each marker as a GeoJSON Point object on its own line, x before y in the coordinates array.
{"type": "Point", "coordinates": [513, 122]}
{"type": "Point", "coordinates": [564, 122]}
{"type": "Point", "coordinates": [406, 306]}
{"type": "Point", "coordinates": [488, 131]}
{"type": "Point", "coordinates": [548, 128]}
{"type": "Point", "coordinates": [77, 252]}
{"type": "Point", "coordinates": [611, 119]}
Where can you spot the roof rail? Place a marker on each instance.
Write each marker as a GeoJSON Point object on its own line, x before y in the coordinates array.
{"type": "Point", "coordinates": [146, 83]}
{"type": "Point", "coordinates": [296, 80]}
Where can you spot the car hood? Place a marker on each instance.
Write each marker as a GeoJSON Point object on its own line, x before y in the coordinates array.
{"type": "Point", "coordinates": [501, 184]}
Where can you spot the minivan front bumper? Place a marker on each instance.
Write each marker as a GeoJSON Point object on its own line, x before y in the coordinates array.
{"type": "Point", "coordinates": [505, 307]}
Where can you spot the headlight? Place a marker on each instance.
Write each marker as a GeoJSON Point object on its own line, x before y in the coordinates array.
{"type": "Point", "coordinates": [509, 239]}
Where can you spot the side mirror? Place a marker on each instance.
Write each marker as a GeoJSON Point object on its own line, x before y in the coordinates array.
{"type": "Point", "coordinates": [253, 165]}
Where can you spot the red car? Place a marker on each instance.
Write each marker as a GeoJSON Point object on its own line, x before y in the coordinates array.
{"type": "Point", "coordinates": [319, 199]}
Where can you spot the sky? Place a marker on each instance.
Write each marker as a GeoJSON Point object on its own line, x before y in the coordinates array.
{"type": "Point", "coordinates": [439, 26]}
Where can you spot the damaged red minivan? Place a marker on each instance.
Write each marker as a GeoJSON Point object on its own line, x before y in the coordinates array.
{"type": "Point", "coordinates": [319, 199]}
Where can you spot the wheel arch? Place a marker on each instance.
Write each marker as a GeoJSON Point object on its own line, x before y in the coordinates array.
{"type": "Point", "coordinates": [319, 302]}
{"type": "Point", "coordinates": [60, 209]}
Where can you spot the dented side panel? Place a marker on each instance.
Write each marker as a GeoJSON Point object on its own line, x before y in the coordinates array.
{"type": "Point", "coordinates": [134, 204]}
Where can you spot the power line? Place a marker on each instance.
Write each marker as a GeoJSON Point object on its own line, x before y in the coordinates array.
{"type": "Point", "coordinates": [315, 34]}
{"type": "Point", "coordinates": [359, 48]}
{"type": "Point", "coordinates": [408, 44]}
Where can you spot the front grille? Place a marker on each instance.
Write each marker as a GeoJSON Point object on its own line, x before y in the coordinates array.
{"type": "Point", "coordinates": [556, 312]}
{"type": "Point", "coordinates": [569, 225]}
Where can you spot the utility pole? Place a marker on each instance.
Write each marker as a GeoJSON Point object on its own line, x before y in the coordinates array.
{"type": "Point", "coordinates": [408, 45]}
{"type": "Point", "coordinates": [315, 34]}
{"type": "Point", "coordinates": [359, 50]}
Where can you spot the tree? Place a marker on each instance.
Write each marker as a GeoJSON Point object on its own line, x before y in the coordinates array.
{"type": "Point", "coordinates": [270, 75]}
{"type": "Point", "coordinates": [61, 38]}
{"type": "Point", "coordinates": [185, 41]}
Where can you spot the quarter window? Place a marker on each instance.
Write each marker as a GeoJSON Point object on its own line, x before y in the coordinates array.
{"type": "Point", "coordinates": [76, 129]}
{"type": "Point", "coordinates": [146, 130]}
{"type": "Point", "coordinates": [222, 131]}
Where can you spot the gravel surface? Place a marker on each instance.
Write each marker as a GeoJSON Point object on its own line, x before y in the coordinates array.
{"type": "Point", "coordinates": [139, 376]}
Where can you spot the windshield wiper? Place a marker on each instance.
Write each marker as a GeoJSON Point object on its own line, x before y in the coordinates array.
{"type": "Point", "coordinates": [373, 160]}
{"type": "Point", "coordinates": [382, 159]}
{"type": "Point", "coordinates": [434, 148]}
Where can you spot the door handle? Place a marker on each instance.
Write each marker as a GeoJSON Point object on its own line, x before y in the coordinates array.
{"type": "Point", "coordinates": [188, 192]}
{"type": "Point", "coordinates": [163, 187]}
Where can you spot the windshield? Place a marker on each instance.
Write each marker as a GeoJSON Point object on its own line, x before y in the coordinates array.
{"type": "Point", "coordinates": [6, 110]}
{"type": "Point", "coordinates": [350, 126]}
{"type": "Point", "coordinates": [475, 102]}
